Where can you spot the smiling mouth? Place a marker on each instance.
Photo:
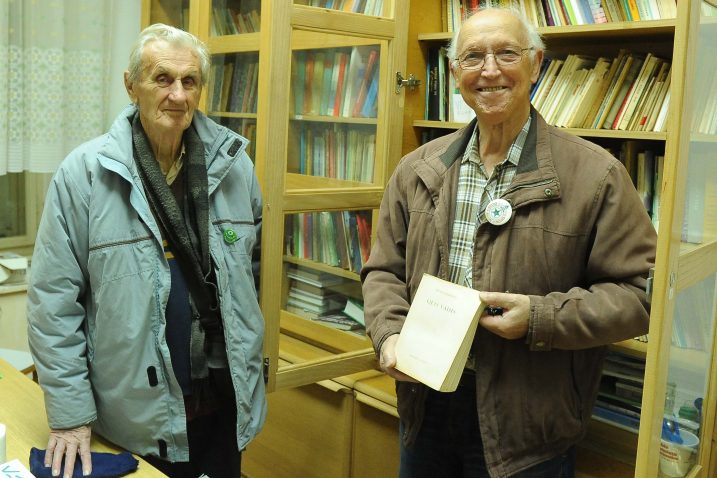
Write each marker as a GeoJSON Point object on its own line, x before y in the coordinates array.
{"type": "Point", "coordinates": [492, 89]}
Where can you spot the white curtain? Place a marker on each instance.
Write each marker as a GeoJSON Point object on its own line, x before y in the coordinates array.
{"type": "Point", "coordinates": [54, 64]}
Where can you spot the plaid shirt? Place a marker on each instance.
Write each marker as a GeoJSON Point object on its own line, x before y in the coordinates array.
{"type": "Point", "coordinates": [475, 191]}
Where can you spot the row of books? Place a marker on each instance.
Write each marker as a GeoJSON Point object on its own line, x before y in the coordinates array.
{"type": "Point", "coordinates": [619, 399]}
{"type": "Point", "coordinates": [584, 12]}
{"type": "Point", "coordinates": [645, 166]}
{"type": "Point", "coordinates": [544, 13]}
{"type": "Point", "coordinates": [630, 92]}
{"type": "Point", "coordinates": [336, 82]}
{"type": "Point", "coordinates": [443, 99]}
{"type": "Point", "coordinates": [335, 238]}
{"type": "Point", "coordinates": [233, 83]}
{"type": "Point", "coordinates": [245, 18]}
{"type": "Point", "coordinates": [336, 150]}
{"type": "Point", "coordinates": [321, 297]}
{"type": "Point", "coordinates": [367, 7]}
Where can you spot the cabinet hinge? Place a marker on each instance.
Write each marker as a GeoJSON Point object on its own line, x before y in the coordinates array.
{"type": "Point", "coordinates": [411, 82]}
{"type": "Point", "coordinates": [648, 287]}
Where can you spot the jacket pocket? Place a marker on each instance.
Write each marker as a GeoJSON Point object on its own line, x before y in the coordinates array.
{"type": "Point", "coordinates": [237, 237]}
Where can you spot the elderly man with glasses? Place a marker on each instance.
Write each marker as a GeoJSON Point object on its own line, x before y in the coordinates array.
{"type": "Point", "coordinates": [549, 227]}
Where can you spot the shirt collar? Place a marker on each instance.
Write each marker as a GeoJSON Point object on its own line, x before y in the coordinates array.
{"type": "Point", "coordinates": [472, 152]}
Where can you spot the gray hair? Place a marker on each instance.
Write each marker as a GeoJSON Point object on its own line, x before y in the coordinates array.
{"type": "Point", "coordinates": [534, 38]}
{"type": "Point", "coordinates": [173, 36]}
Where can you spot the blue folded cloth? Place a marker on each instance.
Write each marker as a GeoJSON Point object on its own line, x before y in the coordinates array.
{"type": "Point", "coordinates": [104, 465]}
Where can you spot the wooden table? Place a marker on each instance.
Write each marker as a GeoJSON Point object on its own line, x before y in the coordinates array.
{"type": "Point", "coordinates": [22, 410]}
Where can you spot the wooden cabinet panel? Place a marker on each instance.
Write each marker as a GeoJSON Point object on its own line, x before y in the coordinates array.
{"type": "Point", "coordinates": [307, 434]}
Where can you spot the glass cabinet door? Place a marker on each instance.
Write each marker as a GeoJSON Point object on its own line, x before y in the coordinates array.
{"type": "Point", "coordinates": [676, 433]}
{"type": "Point", "coordinates": [333, 130]}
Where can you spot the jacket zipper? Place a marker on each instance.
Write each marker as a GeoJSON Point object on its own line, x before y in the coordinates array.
{"type": "Point", "coordinates": [121, 243]}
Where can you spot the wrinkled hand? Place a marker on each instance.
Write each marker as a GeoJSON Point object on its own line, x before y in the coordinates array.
{"type": "Point", "coordinates": [387, 360]}
{"type": "Point", "coordinates": [513, 323]}
{"type": "Point", "coordinates": [69, 443]}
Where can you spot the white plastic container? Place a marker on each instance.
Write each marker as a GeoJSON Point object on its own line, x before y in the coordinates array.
{"type": "Point", "coordinates": [676, 458]}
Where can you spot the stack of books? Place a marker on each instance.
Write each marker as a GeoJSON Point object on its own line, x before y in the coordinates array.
{"type": "Point", "coordinates": [317, 296]}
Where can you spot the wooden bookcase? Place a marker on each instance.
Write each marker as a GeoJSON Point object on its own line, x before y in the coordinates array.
{"type": "Point", "coordinates": [683, 270]}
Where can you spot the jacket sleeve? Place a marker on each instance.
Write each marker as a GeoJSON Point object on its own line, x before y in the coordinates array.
{"type": "Point", "coordinates": [612, 305]}
{"type": "Point", "coordinates": [56, 312]}
{"type": "Point", "coordinates": [385, 291]}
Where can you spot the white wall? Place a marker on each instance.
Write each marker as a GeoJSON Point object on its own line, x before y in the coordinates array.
{"type": "Point", "coordinates": [125, 28]}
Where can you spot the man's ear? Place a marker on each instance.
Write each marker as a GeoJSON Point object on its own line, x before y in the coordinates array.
{"type": "Point", "coordinates": [130, 88]}
{"type": "Point", "coordinates": [453, 66]}
{"type": "Point", "coordinates": [536, 66]}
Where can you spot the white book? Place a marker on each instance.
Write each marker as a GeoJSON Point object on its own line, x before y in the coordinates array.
{"type": "Point", "coordinates": [438, 333]}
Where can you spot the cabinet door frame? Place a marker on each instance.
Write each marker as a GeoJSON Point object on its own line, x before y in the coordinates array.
{"type": "Point", "coordinates": [280, 20]}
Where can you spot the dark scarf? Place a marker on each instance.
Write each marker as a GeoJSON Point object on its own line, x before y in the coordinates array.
{"type": "Point", "coordinates": [188, 232]}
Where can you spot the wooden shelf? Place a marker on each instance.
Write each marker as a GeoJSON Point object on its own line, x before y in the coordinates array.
{"type": "Point", "coordinates": [632, 347]}
{"type": "Point", "coordinates": [227, 114]}
{"type": "Point", "coordinates": [697, 262]}
{"type": "Point", "coordinates": [320, 266]}
{"type": "Point", "coordinates": [334, 119]}
{"type": "Point", "coordinates": [230, 44]}
{"type": "Point", "coordinates": [611, 30]}
{"type": "Point", "coordinates": [592, 133]}
{"type": "Point", "coordinates": [332, 340]}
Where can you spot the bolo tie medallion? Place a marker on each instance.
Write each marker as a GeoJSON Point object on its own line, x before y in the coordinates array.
{"type": "Point", "coordinates": [498, 212]}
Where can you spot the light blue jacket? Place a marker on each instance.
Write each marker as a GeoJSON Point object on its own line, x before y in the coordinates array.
{"type": "Point", "coordinates": [99, 286]}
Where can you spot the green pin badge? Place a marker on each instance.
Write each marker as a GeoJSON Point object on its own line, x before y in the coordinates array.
{"type": "Point", "coordinates": [230, 237]}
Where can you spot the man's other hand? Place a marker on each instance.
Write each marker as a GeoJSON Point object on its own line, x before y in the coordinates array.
{"type": "Point", "coordinates": [513, 322]}
{"type": "Point", "coordinates": [69, 443]}
{"type": "Point", "coordinates": [387, 360]}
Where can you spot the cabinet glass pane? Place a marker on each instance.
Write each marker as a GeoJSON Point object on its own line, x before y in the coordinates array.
{"type": "Point", "coordinates": [688, 377]}
{"type": "Point", "coordinates": [231, 17]}
{"type": "Point", "coordinates": [324, 252]}
{"type": "Point", "coordinates": [170, 12]}
{"type": "Point", "coordinates": [364, 7]}
{"type": "Point", "coordinates": [335, 98]}
{"type": "Point", "coordinates": [232, 88]}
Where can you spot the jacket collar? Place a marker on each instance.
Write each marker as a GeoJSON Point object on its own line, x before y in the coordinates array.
{"type": "Point", "coordinates": [222, 147]}
{"type": "Point", "coordinates": [535, 178]}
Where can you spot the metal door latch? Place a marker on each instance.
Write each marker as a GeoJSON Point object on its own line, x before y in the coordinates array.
{"type": "Point", "coordinates": [411, 82]}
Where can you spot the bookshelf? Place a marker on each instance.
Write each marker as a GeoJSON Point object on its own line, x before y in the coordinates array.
{"type": "Point", "coordinates": [684, 283]}
{"type": "Point", "coordinates": [310, 84]}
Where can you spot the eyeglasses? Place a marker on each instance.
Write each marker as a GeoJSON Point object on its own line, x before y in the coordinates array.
{"type": "Point", "coordinates": [475, 59]}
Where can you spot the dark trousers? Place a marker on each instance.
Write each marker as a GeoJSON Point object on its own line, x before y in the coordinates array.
{"type": "Point", "coordinates": [212, 439]}
{"type": "Point", "coordinates": [449, 444]}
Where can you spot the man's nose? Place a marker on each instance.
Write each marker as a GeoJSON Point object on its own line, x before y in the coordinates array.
{"type": "Point", "coordinates": [176, 91]}
{"type": "Point", "coordinates": [490, 65]}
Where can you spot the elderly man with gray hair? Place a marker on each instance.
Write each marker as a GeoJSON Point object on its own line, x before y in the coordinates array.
{"type": "Point", "coordinates": [549, 228]}
{"type": "Point", "coordinates": [143, 315]}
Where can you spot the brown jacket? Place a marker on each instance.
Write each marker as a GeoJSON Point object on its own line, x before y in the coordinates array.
{"type": "Point", "coordinates": [579, 243]}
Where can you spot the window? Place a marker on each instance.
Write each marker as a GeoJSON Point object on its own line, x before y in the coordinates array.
{"type": "Point", "coordinates": [21, 198]}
